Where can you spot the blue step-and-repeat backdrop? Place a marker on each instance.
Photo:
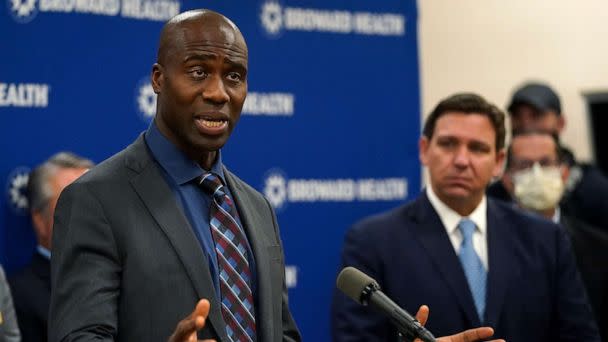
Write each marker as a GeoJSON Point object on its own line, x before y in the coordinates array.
{"type": "Point", "coordinates": [328, 133]}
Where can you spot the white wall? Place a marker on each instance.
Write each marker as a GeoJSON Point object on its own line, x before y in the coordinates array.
{"type": "Point", "coordinates": [492, 46]}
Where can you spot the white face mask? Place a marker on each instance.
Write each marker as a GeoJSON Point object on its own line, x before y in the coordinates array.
{"type": "Point", "coordinates": [538, 188]}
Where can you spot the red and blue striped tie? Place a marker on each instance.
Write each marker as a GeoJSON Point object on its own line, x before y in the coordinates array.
{"type": "Point", "coordinates": [232, 255]}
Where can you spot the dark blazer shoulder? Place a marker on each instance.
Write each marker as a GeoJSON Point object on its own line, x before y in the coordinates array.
{"type": "Point", "coordinates": [114, 174]}
{"type": "Point", "coordinates": [380, 229]}
{"type": "Point", "coordinates": [133, 158]}
{"type": "Point", "coordinates": [382, 223]}
{"type": "Point", "coordinates": [420, 209]}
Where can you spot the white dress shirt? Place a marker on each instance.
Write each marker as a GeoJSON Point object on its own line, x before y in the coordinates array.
{"type": "Point", "coordinates": [451, 218]}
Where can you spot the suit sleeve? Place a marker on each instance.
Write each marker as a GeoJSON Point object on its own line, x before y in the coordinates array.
{"type": "Point", "coordinates": [9, 331]}
{"type": "Point", "coordinates": [575, 320]}
{"type": "Point", "coordinates": [290, 330]}
{"type": "Point", "coordinates": [351, 321]}
{"type": "Point", "coordinates": [85, 270]}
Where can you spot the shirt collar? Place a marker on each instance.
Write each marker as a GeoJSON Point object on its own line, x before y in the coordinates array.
{"type": "Point", "coordinates": [451, 218]}
{"type": "Point", "coordinates": [557, 215]}
{"type": "Point", "coordinates": [44, 252]}
{"type": "Point", "coordinates": [177, 165]}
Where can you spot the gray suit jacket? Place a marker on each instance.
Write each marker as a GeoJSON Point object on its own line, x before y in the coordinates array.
{"type": "Point", "coordinates": [9, 331]}
{"type": "Point", "coordinates": [127, 265]}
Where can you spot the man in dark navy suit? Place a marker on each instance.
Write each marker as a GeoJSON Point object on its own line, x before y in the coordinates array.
{"type": "Point", "coordinates": [475, 261]}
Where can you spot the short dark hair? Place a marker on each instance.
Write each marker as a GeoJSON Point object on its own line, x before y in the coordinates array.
{"type": "Point", "coordinates": [533, 131]}
{"type": "Point", "coordinates": [468, 103]}
{"type": "Point", "coordinates": [539, 96]}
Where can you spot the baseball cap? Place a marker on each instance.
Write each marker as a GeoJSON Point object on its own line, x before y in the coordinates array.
{"type": "Point", "coordinates": [538, 95]}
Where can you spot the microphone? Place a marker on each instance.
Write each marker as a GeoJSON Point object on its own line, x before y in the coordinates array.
{"type": "Point", "coordinates": [365, 290]}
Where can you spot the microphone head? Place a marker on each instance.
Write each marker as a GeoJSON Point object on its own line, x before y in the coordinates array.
{"type": "Point", "coordinates": [353, 283]}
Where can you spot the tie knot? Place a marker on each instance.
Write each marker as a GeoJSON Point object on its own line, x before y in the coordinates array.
{"type": "Point", "coordinates": [467, 227]}
{"type": "Point", "coordinates": [211, 183]}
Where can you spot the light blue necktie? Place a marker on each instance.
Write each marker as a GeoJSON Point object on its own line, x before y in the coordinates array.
{"type": "Point", "coordinates": [473, 267]}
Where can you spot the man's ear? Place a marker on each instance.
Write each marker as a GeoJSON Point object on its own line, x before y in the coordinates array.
{"type": "Point", "coordinates": [500, 161]}
{"type": "Point", "coordinates": [565, 171]}
{"type": "Point", "coordinates": [423, 146]}
{"type": "Point", "coordinates": [507, 182]}
{"type": "Point", "coordinates": [561, 123]}
{"type": "Point", "coordinates": [157, 77]}
{"type": "Point", "coordinates": [39, 221]}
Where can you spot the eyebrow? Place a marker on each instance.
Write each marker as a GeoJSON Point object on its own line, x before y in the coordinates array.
{"type": "Point", "coordinates": [205, 57]}
{"type": "Point", "coordinates": [455, 138]}
{"type": "Point", "coordinates": [478, 143]}
{"type": "Point", "coordinates": [541, 158]}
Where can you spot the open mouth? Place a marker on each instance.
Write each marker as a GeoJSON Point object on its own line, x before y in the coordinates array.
{"type": "Point", "coordinates": [211, 126]}
{"type": "Point", "coordinates": [213, 123]}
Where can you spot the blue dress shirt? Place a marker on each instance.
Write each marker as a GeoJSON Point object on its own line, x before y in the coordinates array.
{"type": "Point", "coordinates": [180, 173]}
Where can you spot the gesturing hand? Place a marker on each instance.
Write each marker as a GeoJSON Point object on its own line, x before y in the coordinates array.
{"type": "Point", "coordinates": [470, 335]}
{"type": "Point", "coordinates": [186, 329]}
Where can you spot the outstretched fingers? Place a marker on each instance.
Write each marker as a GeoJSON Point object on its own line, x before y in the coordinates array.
{"type": "Point", "coordinates": [186, 329]}
{"type": "Point", "coordinates": [423, 314]}
{"type": "Point", "coordinates": [477, 334]}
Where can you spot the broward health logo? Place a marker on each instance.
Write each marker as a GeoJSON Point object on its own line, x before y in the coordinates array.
{"type": "Point", "coordinates": [275, 188]}
{"type": "Point", "coordinates": [29, 95]}
{"type": "Point", "coordinates": [279, 190]}
{"type": "Point", "coordinates": [145, 99]}
{"type": "Point", "coordinates": [269, 104]}
{"type": "Point", "coordinates": [271, 17]}
{"type": "Point", "coordinates": [16, 185]}
{"type": "Point", "coordinates": [275, 19]}
{"type": "Point", "coordinates": [22, 11]}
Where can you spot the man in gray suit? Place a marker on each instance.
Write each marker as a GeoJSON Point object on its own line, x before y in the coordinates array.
{"type": "Point", "coordinates": [136, 243]}
{"type": "Point", "coordinates": [9, 331]}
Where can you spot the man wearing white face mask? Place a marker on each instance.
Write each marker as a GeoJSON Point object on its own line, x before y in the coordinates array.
{"type": "Point", "coordinates": [537, 106]}
{"type": "Point", "coordinates": [535, 177]}
{"type": "Point", "coordinates": [539, 188]}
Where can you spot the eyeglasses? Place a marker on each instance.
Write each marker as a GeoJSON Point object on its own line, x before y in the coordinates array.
{"type": "Point", "coordinates": [522, 164]}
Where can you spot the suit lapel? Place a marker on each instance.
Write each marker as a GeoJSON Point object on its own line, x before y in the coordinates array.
{"type": "Point", "coordinates": [250, 211]}
{"type": "Point", "coordinates": [432, 235]}
{"type": "Point", "coordinates": [160, 201]}
{"type": "Point", "coordinates": [501, 270]}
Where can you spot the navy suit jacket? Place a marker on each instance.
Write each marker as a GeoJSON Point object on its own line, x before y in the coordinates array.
{"type": "Point", "coordinates": [534, 292]}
